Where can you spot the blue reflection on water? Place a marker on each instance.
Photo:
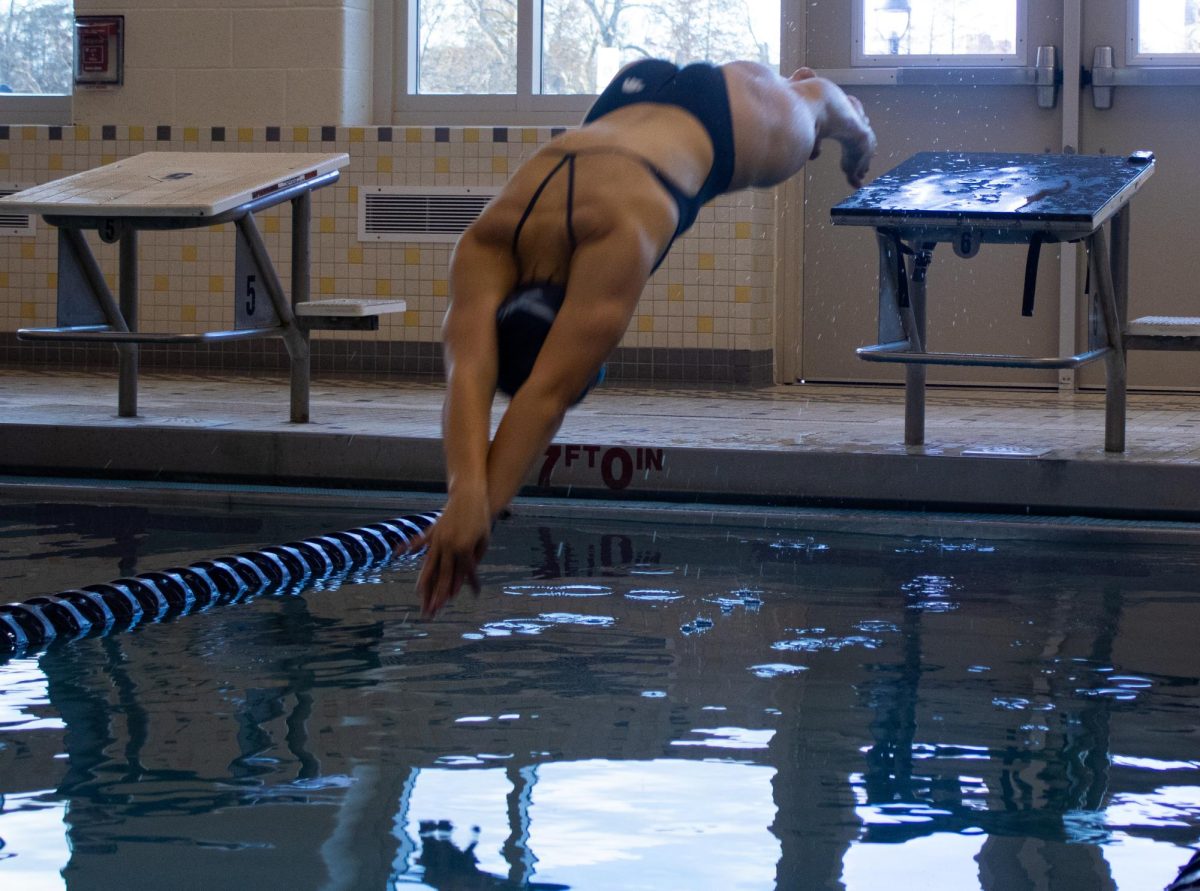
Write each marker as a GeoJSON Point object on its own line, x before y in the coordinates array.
{"type": "Point", "coordinates": [867, 713]}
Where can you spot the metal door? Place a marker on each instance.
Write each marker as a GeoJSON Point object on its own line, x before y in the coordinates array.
{"type": "Point", "coordinates": [974, 305]}
{"type": "Point", "coordinates": [1131, 101]}
{"type": "Point", "coordinates": [1150, 100]}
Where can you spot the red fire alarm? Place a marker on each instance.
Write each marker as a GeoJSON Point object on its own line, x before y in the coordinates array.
{"type": "Point", "coordinates": [99, 50]}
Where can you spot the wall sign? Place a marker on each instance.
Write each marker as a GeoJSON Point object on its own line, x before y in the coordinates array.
{"type": "Point", "coordinates": [99, 50]}
{"type": "Point", "coordinates": [616, 464]}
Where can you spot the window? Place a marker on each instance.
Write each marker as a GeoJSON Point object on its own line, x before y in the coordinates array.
{"type": "Point", "coordinates": [937, 32]}
{"type": "Point", "coordinates": [36, 53]}
{"type": "Point", "coordinates": [466, 46]}
{"type": "Point", "coordinates": [583, 49]}
{"type": "Point", "coordinates": [1165, 31]}
{"type": "Point", "coordinates": [35, 47]}
{"type": "Point", "coordinates": [529, 59]}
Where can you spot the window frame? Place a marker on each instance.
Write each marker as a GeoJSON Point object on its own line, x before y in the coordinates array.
{"type": "Point", "coordinates": [1133, 56]}
{"type": "Point", "coordinates": [860, 59]}
{"type": "Point", "coordinates": [525, 106]}
{"type": "Point", "coordinates": [53, 109]}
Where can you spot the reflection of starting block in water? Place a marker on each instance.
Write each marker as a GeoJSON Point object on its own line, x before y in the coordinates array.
{"type": "Point", "coordinates": [969, 199]}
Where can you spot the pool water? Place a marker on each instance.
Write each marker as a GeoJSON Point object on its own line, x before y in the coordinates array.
{"type": "Point", "coordinates": [626, 706]}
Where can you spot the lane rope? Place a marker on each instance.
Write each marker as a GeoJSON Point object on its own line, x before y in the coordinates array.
{"type": "Point", "coordinates": [155, 595]}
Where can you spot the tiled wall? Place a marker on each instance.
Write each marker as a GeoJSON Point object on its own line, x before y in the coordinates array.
{"type": "Point", "coordinates": [705, 316]}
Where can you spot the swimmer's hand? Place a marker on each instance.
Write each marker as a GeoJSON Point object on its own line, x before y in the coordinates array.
{"type": "Point", "coordinates": [858, 143]}
{"type": "Point", "coordinates": [847, 122]}
{"type": "Point", "coordinates": [456, 544]}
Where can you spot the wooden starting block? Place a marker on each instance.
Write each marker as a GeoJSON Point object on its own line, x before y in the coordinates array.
{"type": "Point", "coordinates": [183, 190]}
{"type": "Point", "coordinates": [345, 313]}
{"type": "Point", "coordinates": [969, 198]}
{"type": "Point", "coordinates": [1163, 333]}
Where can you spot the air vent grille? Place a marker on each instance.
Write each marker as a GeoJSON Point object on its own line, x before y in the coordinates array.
{"type": "Point", "coordinates": [15, 224]}
{"type": "Point", "coordinates": [405, 213]}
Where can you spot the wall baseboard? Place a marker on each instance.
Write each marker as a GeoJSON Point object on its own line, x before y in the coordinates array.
{"type": "Point", "coordinates": [407, 358]}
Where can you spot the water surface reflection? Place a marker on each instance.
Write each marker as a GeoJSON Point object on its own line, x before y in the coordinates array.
{"type": "Point", "coordinates": [658, 708]}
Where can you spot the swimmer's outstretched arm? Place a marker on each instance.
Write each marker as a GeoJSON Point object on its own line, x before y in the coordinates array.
{"type": "Point", "coordinates": [480, 275]}
{"type": "Point", "coordinates": [607, 277]}
{"type": "Point", "coordinates": [783, 121]}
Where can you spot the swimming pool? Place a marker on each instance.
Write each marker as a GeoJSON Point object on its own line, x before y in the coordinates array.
{"type": "Point", "coordinates": [724, 701]}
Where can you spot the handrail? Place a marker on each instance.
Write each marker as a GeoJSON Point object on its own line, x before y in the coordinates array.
{"type": "Point", "coordinates": [1045, 76]}
{"type": "Point", "coordinates": [1105, 75]}
{"type": "Point", "coordinates": [930, 76]}
{"type": "Point", "coordinates": [894, 352]}
{"type": "Point", "coordinates": [103, 334]}
{"type": "Point", "coordinates": [1147, 76]}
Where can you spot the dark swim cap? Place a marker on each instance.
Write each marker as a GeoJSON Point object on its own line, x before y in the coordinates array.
{"type": "Point", "coordinates": [522, 325]}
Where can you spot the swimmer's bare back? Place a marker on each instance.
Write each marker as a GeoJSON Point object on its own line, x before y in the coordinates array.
{"type": "Point", "coordinates": [612, 186]}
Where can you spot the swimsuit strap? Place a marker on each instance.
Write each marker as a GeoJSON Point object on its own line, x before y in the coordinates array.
{"type": "Point", "coordinates": [680, 197]}
{"type": "Point", "coordinates": [568, 159]}
{"type": "Point", "coordinates": [633, 156]}
{"type": "Point", "coordinates": [571, 200]}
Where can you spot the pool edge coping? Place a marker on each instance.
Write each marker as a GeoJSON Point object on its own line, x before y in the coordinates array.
{"type": "Point", "coordinates": [915, 523]}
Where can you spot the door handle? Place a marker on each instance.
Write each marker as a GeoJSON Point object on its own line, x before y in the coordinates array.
{"type": "Point", "coordinates": [1105, 76]}
{"type": "Point", "coordinates": [1045, 76]}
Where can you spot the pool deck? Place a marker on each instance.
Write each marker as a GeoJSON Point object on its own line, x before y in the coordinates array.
{"type": "Point", "coordinates": [994, 451]}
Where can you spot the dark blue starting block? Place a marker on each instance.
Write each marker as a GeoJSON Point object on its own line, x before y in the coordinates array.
{"type": "Point", "coordinates": [968, 199]}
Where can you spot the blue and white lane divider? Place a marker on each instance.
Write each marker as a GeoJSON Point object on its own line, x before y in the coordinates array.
{"type": "Point", "coordinates": [125, 603]}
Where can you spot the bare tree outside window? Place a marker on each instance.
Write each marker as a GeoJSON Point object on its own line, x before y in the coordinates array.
{"type": "Point", "coordinates": [36, 46]}
{"type": "Point", "coordinates": [469, 46]}
{"type": "Point", "coordinates": [581, 38]}
{"type": "Point", "coordinates": [1168, 27]}
{"type": "Point", "coordinates": [939, 27]}
{"type": "Point", "coordinates": [584, 42]}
